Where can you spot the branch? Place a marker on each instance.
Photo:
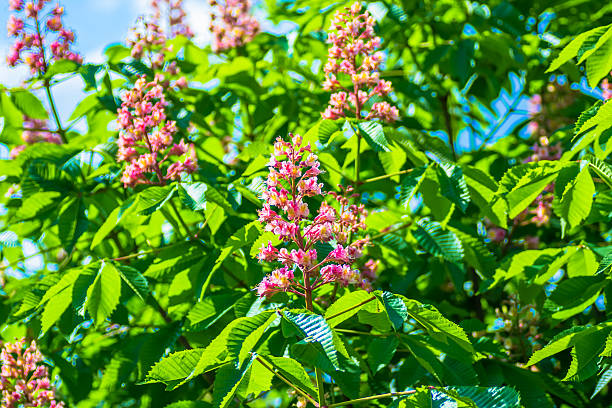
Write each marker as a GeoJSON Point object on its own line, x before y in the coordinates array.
{"type": "Point", "coordinates": [373, 397]}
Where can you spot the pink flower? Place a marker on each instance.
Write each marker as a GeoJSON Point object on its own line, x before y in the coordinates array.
{"type": "Point", "coordinates": [24, 380]}
{"type": "Point", "coordinates": [292, 178]}
{"type": "Point", "coordinates": [14, 26]}
{"type": "Point", "coordinates": [232, 25]}
{"type": "Point", "coordinates": [16, 5]}
{"type": "Point", "coordinates": [146, 138]}
{"type": "Point", "coordinates": [31, 47]}
{"type": "Point", "coordinates": [352, 40]}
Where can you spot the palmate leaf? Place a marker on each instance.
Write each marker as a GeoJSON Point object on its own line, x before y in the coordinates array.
{"type": "Point", "coordinates": [227, 346]}
{"type": "Point", "coordinates": [453, 185]}
{"type": "Point", "coordinates": [438, 241]}
{"type": "Point", "coordinates": [315, 329]}
{"type": "Point", "coordinates": [211, 309]}
{"type": "Point", "coordinates": [59, 297]}
{"type": "Point", "coordinates": [29, 104]}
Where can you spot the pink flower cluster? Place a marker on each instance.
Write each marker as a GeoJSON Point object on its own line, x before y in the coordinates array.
{"type": "Point", "coordinates": [232, 24]}
{"type": "Point", "coordinates": [291, 181]}
{"type": "Point", "coordinates": [32, 29]}
{"type": "Point", "coordinates": [148, 40]}
{"type": "Point", "coordinates": [175, 15]}
{"type": "Point", "coordinates": [353, 53]}
{"type": "Point", "coordinates": [24, 381]}
{"type": "Point", "coordinates": [35, 131]}
{"type": "Point", "coordinates": [146, 138]}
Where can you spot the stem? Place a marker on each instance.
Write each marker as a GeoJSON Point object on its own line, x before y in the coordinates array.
{"type": "Point", "coordinates": [181, 220]}
{"type": "Point", "coordinates": [448, 124]}
{"type": "Point", "coordinates": [58, 123]}
{"type": "Point", "coordinates": [47, 86]}
{"type": "Point", "coordinates": [351, 308]}
{"type": "Point", "coordinates": [401, 227]}
{"type": "Point", "coordinates": [286, 381]}
{"type": "Point", "coordinates": [397, 173]}
{"type": "Point", "coordinates": [318, 372]}
{"type": "Point", "coordinates": [373, 397]}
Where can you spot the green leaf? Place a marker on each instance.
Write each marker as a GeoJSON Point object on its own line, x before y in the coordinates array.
{"type": "Point", "coordinates": [574, 295]}
{"type": "Point", "coordinates": [189, 404]}
{"type": "Point", "coordinates": [103, 295]}
{"type": "Point", "coordinates": [153, 198]}
{"type": "Point", "coordinates": [605, 263]}
{"type": "Point", "coordinates": [575, 203]}
{"type": "Point", "coordinates": [350, 303]}
{"type": "Point", "coordinates": [453, 185]}
{"type": "Point", "coordinates": [603, 379]}
{"type": "Point", "coordinates": [381, 351]}
{"type": "Point", "coordinates": [570, 338]}
{"type": "Point", "coordinates": [256, 380]}
{"type": "Point", "coordinates": [211, 309]}
{"type": "Point", "coordinates": [227, 381]}
{"type": "Point", "coordinates": [315, 329]}
{"type": "Point", "coordinates": [437, 241]}
{"type": "Point", "coordinates": [322, 131]}
{"type": "Point", "coordinates": [135, 280]}
{"type": "Point", "coordinates": [245, 335]}
{"type": "Point", "coordinates": [193, 195]}
{"type": "Point", "coordinates": [294, 372]}
{"type": "Point", "coordinates": [528, 183]}
{"type": "Point", "coordinates": [174, 367]}
{"type": "Point", "coordinates": [72, 222]}
{"type": "Point", "coordinates": [62, 67]}
{"type": "Point", "coordinates": [571, 49]}
{"type": "Point", "coordinates": [600, 167]}
{"type": "Point", "coordinates": [114, 218]}
{"type": "Point", "coordinates": [599, 64]}
{"type": "Point", "coordinates": [492, 397]}
{"type": "Point", "coordinates": [437, 325]}
{"type": "Point", "coordinates": [374, 134]}
{"type": "Point", "coordinates": [410, 185]}
{"type": "Point", "coordinates": [29, 104]}
{"type": "Point", "coordinates": [396, 309]}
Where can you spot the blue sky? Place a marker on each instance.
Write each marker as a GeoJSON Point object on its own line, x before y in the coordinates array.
{"type": "Point", "coordinates": [97, 23]}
